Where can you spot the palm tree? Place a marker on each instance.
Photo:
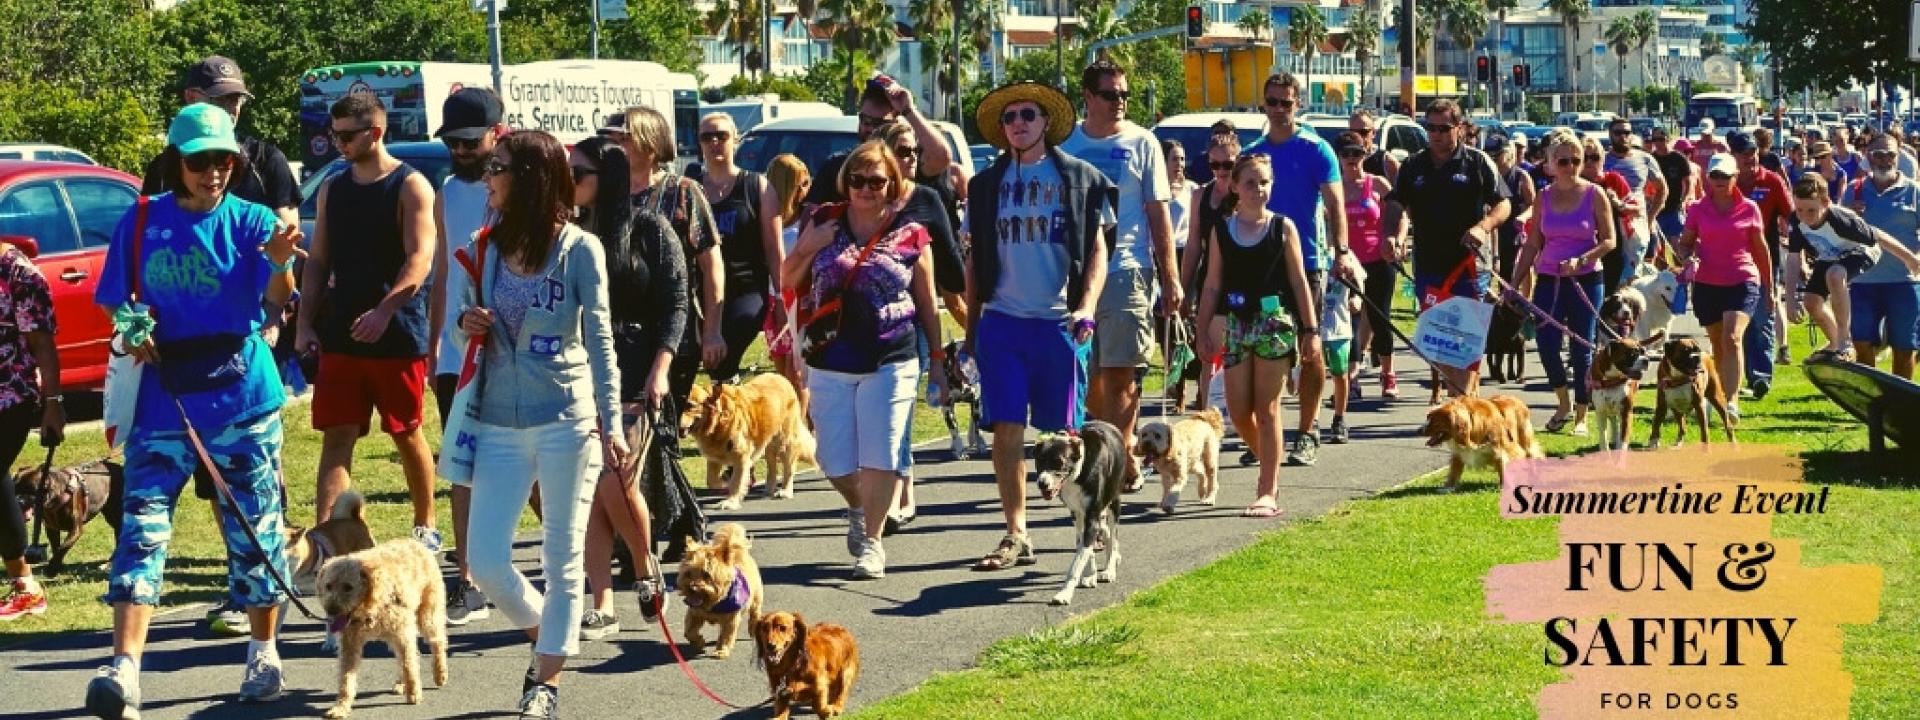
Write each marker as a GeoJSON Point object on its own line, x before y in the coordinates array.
{"type": "Point", "coordinates": [1620, 34]}
{"type": "Point", "coordinates": [860, 27]}
{"type": "Point", "coordinates": [1646, 29]}
{"type": "Point", "coordinates": [1256, 24]}
{"type": "Point", "coordinates": [737, 22]}
{"type": "Point", "coordinates": [933, 27]}
{"type": "Point", "coordinates": [1102, 21]}
{"type": "Point", "coordinates": [1712, 44]}
{"type": "Point", "coordinates": [1363, 37]}
{"type": "Point", "coordinates": [1571, 13]}
{"type": "Point", "coordinates": [1466, 23]}
{"type": "Point", "coordinates": [1305, 32]}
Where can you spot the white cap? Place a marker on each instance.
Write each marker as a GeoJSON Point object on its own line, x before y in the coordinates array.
{"type": "Point", "coordinates": [1520, 138]}
{"type": "Point", "coordinates": [1706, 125]}
{"type": "Point", "coordinates": [1723, 164]}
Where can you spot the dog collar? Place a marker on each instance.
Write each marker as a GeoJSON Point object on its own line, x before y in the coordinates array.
{"type": "Point", "coordinates": [1669, 383]}
{"type": "Point", "coordinates": [737, 595]}
{"type": "Point", "coordinates": [1597, 385]}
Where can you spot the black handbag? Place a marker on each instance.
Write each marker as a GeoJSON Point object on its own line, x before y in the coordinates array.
{"type": "Point", "coordinates": [671, 499]}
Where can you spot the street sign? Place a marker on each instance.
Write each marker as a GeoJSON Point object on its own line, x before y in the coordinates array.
{"type": "Point", "coordinates": [610, 9]}
{"type": "Point", "coordinates": [480, 6]}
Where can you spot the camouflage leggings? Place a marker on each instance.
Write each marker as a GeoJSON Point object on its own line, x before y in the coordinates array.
{"type": "Point", "coordinates": [159, 462]}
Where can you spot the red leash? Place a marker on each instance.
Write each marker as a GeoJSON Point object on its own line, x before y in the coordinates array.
{"type": "Point", "coordinates": [685, 668]}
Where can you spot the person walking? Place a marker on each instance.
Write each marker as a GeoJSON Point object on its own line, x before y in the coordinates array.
{"type": "Point", "coordinates": [1726, 236]}
{"type": "Point", "coordinates": [790, 182]}
{"type": "Point", "coordinates": [1038, 269]}
{"type": "Point", "coordinates": [1886, 298]}
{"type": "Point", "coordinates": [1765, 342]}
{"type": "Point", "coordinates": [365, 314]}
{"type": "Point", "coordinates": [542, 304]}
{"type": "Point", "coordinates": [1365, 194]}
{"type": "Point", "coordinates": [29, 398]}
{"type": "Point", "coordinates": [1571, 234]}
{"type": "Point", "coordinates": [644, 133]}
{"type": "Point", "coordinates": [744, 214]}
{"type": "Point", "coordinates": [1677, 172]}
{"type": "Point", "coordinates": [1612, 267]}
{"type": "Point", "coordinates": [1180, 214]}
{"type": "Point", "coordinates": [1646, 189]}
{"type": "Point", "coordinates": [188, 271]}
{"type": "Point", "coordinates": [1223, 150]}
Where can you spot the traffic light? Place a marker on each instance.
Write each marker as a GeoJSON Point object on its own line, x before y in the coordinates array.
{"type": "Point", "coordinates": [1483, 68]}
{"type": "Point", "coordinates": [1196, 22]}
{"type": "Point", "coordinates": [1522, 75]}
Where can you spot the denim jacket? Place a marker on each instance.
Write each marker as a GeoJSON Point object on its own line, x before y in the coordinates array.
{"type": "Point", "coordinates": [562, 364]}
{"type": "Point", "coordinates": [1088, 191]}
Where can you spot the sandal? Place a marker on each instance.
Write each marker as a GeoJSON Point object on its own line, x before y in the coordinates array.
{"type": "Point", "coordinates": [1261, 511]}
{"type": "Point", "coordinates": [1013, 550]}
{"type": "Point", "coordinates": [1557, 423]}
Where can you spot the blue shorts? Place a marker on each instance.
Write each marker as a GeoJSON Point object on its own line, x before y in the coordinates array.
{"type": "Point", "coordinates": [1711, 303]}
{"type": "Point", "coordinates": [1897, 304]}
{"type": "Point", "coordinates": [1031, 372]}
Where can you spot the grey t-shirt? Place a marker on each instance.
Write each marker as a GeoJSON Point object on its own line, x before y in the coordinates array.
{"type": "Point", "coordinates": [1637, 167]}
{"type": "Point", "coordinates": [1131, 160]}
{"type": "Point", "coordinates": [1033, 255]}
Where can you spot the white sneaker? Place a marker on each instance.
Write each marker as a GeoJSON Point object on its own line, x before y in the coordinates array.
{"type": "Point", "coordinates": [872, 564]}
{"type": "Point", "coordinates": [428, 538]}
{"type": "Point", "coordinates": [856, 530]}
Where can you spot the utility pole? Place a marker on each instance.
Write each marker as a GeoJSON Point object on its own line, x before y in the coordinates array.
{"type": "Point", "coordinates": [1406, 54]}
{"type": "Point", "coordinates": [959, 80]}
{"type": "Point", "coordinates": [1059, 49]}
{"type": "Point", "coordinates": [766, 38]}
{"type": "Point", "coordinates": [493, 44]}
{"type": "Point", "coordinates": [593, 30]}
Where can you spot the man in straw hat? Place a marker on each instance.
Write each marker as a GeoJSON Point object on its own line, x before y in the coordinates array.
{"type": "Point", "coordinates": [1036, 217]}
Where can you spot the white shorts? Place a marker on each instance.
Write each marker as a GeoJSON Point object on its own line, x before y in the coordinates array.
{"type": "Point", "coordinates": [860, 421]}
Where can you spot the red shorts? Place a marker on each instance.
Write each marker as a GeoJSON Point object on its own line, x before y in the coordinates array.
{"type": "Point", "coordinates": [351, 387]}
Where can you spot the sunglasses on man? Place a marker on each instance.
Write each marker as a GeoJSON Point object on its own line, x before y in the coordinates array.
{"type": "Point", "coordinates": [1281, 104]}
{"type": "Point", "coordinates": [1112, 96]}
{"type": "Point", "coordinates": [467, 144]}
{"type": "Point", "coordinates": [1025, 114]}
{"type": "Point", "coordinates": [342, 137]}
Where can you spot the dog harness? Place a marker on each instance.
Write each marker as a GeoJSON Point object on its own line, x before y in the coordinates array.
{"type": "Point", "coordinates": [737, 595]}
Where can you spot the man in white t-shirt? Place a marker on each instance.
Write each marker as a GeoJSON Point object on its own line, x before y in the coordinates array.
{"type": "Point", "coordinates": [1143, 246]}
{"type": "Point", "coordinates": [472, 125]}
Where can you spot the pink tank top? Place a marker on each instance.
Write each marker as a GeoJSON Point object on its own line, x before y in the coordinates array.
{"type": "Point", "coordinates": [1363, 223]}
{"type": "Point", "coordinates": [1568, 234]}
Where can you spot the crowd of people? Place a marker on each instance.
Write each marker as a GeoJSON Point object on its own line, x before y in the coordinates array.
{"type": "Point", "coordinates": [1073, 261]}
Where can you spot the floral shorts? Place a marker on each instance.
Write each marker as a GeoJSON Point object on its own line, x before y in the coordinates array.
{"type": "Point", "coordinates": [1268, 336]}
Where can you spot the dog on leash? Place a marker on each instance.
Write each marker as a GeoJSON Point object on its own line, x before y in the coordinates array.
{"type": "Point", "coordinates": [1689, 384]}
{"type": "Point", "coordinates": [1615, 376]}
{"type": "Point", "coordinates": [1507, 345]}
{"type": "Point", "coordinates": [1189, 447]}
{"type": "Point", "coordinates": [392, 593]}
{"type": "Point", "coordinates": [1482, 432]}
{"type": "Point", "coordinates": [1088, 472]}
{"type": "Point", "coordinates": [1655, 291]}
{"type": "Point", "coordinates": [816, 665]}
{"type": "Point", "coordinates": [65, 500]}
{"type": "Point", "coordinates": [735, 425]}
{"type": "Point", "coordinates": [721, 585]}
{"type": "Point", "coordinates": [961, 390]}
{"type": "Point", "coordinates": [345, 532]}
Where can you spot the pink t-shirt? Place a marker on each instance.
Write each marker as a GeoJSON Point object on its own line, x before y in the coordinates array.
{"type": "Point", "coordinates": [1363, 220]}
{"type": "Point", "coordinates": [1725, 252]}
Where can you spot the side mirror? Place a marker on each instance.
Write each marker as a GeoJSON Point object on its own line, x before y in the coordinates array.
{"type": "Point", "coordinates": [28, 246]}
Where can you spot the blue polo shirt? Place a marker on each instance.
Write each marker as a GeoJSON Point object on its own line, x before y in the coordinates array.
{"type": "Point", "coordinates": [1300, 166]}
{"type": "Point", "coordinates": [1896, 212]}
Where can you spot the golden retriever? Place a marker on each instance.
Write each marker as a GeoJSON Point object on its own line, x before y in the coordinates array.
{"type": "Point", "coordinates": [1190, 446]}
{"type": "Point", "coordinates": [721, 585]}
{"type": "Point", "coordinates": [1482, 432]}
{"type": "Point", "coordinates": [816, 665]}
{"type": "Point", "coordinates": [392, 593]}
{"type": "Point", "coordinates": [734, 425]}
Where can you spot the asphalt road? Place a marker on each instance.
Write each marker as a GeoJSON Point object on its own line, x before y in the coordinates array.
{"type": "Point", "coordinates": [931, 613]}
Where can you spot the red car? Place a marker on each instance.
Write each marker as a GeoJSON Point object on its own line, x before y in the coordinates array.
{"type": "Point", "coordinates": [68, 212]}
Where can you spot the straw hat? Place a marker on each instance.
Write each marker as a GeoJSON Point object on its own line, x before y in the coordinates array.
{"type": "Point", "coordinates": [1820, 149]}
{"type": "Point", "coordinates": [1060, 114]}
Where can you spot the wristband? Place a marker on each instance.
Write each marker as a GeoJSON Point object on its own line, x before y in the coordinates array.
{"type": "Point", "coordinates": [283, 267]}
{"type": "Point", "coordinates": [937, 354]}
{"type": "Point", "coordinates": [1083, 324]}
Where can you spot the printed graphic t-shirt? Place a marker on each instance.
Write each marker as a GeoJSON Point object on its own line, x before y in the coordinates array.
{"type": "Point", "coordinates": [1033, 255]}
{"type": "Point", "coordinates": [1131, 159]}
{"type": "Point", "coordinates": [203, 275]}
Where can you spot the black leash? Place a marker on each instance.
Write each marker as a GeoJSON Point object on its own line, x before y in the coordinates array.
{"type": "Point", "coordinates": [1395, 329]}
{"type": "Point", "coordinates": [46, 484]}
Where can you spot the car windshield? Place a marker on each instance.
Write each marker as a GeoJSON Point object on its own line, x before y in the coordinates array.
{"type": "Point", "coordinates": [812, 147]}
{"type": "Point", "coordinates": [1829, 117]}
{"type": "Point", "coordinates": [1591, 125]}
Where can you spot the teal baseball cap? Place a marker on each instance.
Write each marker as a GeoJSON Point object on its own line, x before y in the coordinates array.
{"type": "Point", "coordinates": [201, 127]}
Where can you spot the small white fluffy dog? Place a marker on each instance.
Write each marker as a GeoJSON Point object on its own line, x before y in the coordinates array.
{"type": "Point", "coordinates": [1186, 448]}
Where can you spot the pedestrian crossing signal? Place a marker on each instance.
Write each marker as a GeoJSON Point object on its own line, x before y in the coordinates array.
{"type": "Point", "coordinates": [1522, 75]}
{"type": "Point", "coordinates": [1196, 22]}
{"type": "Point", "coordinates": [1483, 68]}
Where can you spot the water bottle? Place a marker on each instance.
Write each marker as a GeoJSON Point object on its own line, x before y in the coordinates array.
{"type": "Point", "coordinates": [969, 370]}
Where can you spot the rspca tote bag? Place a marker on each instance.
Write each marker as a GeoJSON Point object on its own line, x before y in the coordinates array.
{"type": "Point", "coordinates": [1453, 331]}
{"type": "Point", "coordinates": [459, 442]}
{"type": "Point", "coordinates": [131, 321]}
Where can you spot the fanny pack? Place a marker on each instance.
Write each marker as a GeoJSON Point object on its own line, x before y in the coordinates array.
{"type": "Point", "coordinates": [202, 364]}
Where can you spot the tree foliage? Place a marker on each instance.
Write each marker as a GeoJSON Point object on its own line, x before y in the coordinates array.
{"type": "Point", "coordinates": [1830, 45]}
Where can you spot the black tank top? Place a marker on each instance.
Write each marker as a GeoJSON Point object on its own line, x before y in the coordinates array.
{"type": "Point", "coordinates": [1250, 273]}
{"type": "Point", "coordinates": [737, 217]}
{"type": "Point", "coordinates": [367, 246]}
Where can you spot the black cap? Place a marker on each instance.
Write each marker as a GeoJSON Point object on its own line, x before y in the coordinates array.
{"type": "Point", "coordinates": [469, 114]}
{"type": "Point", "coordinates": [1344, 142]}
{"type": "Point", "coordinates": [217, 76]}
{"type": "Point", "coordinates": [1739, 141]}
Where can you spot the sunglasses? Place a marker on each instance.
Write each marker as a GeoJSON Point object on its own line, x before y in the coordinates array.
{"type": "Point", "coordinates": [907, 153]}
{"type": "Point", "coordinates": [496, 166]}
{"type": "Point", "coordinates": [1362, 132]}
{"type": "Point", "coordinates": [866, 119]}
{"type": "Point", "coordinates": [1657, 138]}
{"type": "Point", "coordinates": [1567, 162]}
{"type": "Point", "coordinates": [210, 160]}
{"type": "Point", "coordinates": [1221, 166]}
{"type": "Point", "coordinates": [1593, 158]}
{"type": "Point", "coordinates": [1437, 128]}
{"type": "Point", "coordinates": [1026, 113]}
{"type": "Point", "coordinates": [868, 182]}
{"type": "Point", "coordinates": [342, 137]}
{"type": "Point", "coordinates": [1111, 95]}
{"type": "Point", "coordinates": [1274, 102]}
{"type": "Point", "coordinates": [715, 136]}
{"type": "Point", "coordinates": [454, 143]}
{"type": "Point", "coordinates": [1619, 132]}
{"type": "Point", "coordinates": [1882, 154]}
{"type": "Point", "coordinates": [582, 172]}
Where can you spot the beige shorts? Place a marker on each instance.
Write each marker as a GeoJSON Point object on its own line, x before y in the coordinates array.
{"type": "Point", "coordinates": [1123, 321]}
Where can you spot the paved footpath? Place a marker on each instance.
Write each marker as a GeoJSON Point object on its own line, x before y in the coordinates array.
{"type": "Point", "coordinates": [931, 613]}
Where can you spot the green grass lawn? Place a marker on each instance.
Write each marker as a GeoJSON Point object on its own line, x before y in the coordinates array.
{"type": "Point", "coordinates": [1377, 609]}
{"type": "Point", "coordinates": [196, 565]}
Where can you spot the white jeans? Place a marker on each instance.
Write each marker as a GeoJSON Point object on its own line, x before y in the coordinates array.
{"type": "Point", "coordinates": [565, 458]}
{"type": "Point", "coordinates": [861, 421]}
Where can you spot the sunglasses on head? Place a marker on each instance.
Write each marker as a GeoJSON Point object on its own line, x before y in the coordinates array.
{"type": "Point", "coordinates": [868, 182]}
{"type": "Point", "coordinates": [1026, 113]}
{"type": "Point", "coordinates": [342, 137]}
{"type": "Point", "coordinates": [582, 172]}
{"type": "Point", "coordinates": [496, 166]}
{"type": "Point", "coordinates": [1112, 95]}
{"type": "Point", "coordinates": [715, 136]}
{"type": "Point", "coordinates": [1274, 102]}
{"type": "Point", "coordinates": [907, 153]}
{"type": "Point", "coordinates": [1353, 153]}
{"type": "Point", "coordinates": [212, 159]}
{"type": "Point", "coordinates": [1221, 165]}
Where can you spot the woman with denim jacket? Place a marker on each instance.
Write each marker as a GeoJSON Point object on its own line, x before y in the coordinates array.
{"type": "Point", "coordinates": [548, 399]}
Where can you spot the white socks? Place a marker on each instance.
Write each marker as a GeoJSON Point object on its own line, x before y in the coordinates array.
{"type": "Point", "coordinates": [128, 670]}
{"type": "Point", "coordinates": [258, 649]}
{"type": "Point", "coordinates": [26, 584]}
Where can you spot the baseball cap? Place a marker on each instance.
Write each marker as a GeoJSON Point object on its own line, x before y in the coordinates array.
{"type": "Point", "coordinates": [1344, 142]}
{"type": "Point", "coordinates": [217, 76]}
{"type": "Point", "coordinates": [1723, 164]}
{"type": "Point", "coordinates": [1739, 141]}
{"type": "Point", "coordinates": [614, 124]}
{"type": "Point", "coordinates": [469, 114]}
{"type": "Point", "coordinates": [1683, 145]}
{"type": "Point", "coordinates": [1706, 125]}
{"type": "Point", "coordinates": [201, 127]}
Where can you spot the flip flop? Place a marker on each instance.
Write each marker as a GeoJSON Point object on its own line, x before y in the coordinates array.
{"type": "Point", "coordinates": [1557, 424]}
{"type": "Point", "coordinates": [1261, 511]}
